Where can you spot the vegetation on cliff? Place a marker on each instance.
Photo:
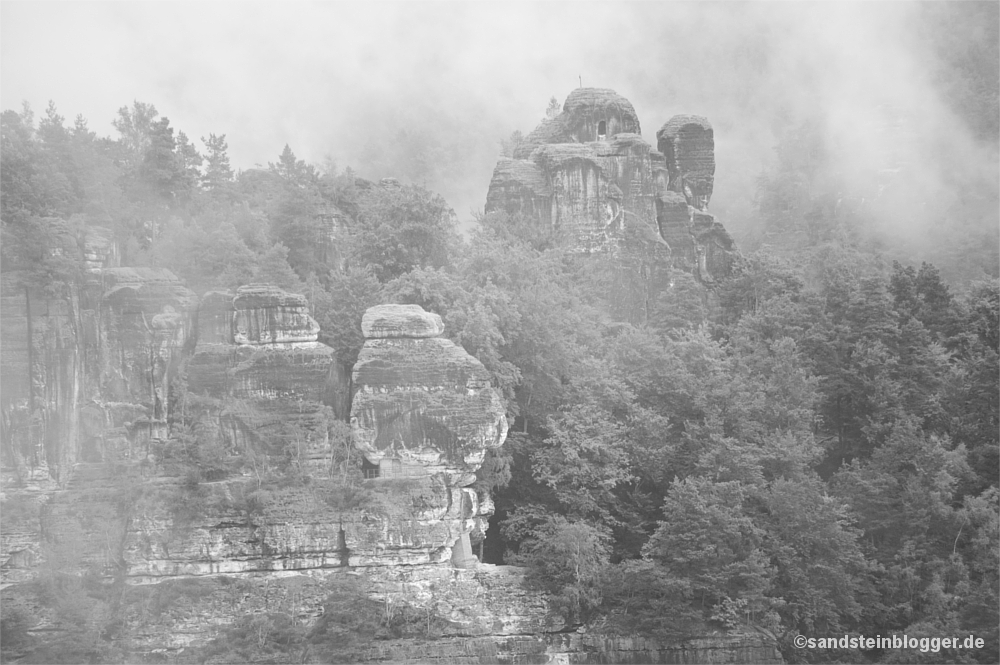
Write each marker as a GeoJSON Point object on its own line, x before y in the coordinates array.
{"type": "Point", "coordinates": [811, 448]}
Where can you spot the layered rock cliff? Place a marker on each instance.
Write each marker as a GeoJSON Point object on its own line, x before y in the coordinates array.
{"type": "Point", "coordinates": [425, 410]}
{"type": "Point", "coordinates": [180, 471]}
{"type": "Point", "coordinates": [217, 496]}
{"type": "Point", "coordinates": [589, 172]}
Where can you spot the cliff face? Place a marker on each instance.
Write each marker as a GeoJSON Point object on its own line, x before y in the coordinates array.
{"type": "Point", "coordinates": [419, 399]}
{"type": "Point", "coordinates": [87, 369]}
{"type": "Point", "coordinates": [184, 457]}
{"type": "Point", "coordinates": [258, 355]}
{"type": "Point", "coordinates": [589, 172]}
{"type": "Point", "coordinates": [133, 418]}
{"type": "Point", "coordinates": [424, 411]}
{"type": "Point", "coordinates": [262, 520]}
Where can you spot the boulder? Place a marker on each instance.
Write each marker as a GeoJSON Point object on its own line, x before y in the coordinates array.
{"type": "Point", "coordinates": [422, 401]}
{"type": "Point", "coordinates": [423, 415]}
{"type": "Point", "coordinates": [400, 321]}
{"type": "Point", "coordinates": [258, 354]}
{"type": "Point", "coordinates": [265, 314]}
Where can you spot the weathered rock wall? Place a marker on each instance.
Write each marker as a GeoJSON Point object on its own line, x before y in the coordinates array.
{"type": "Point", "coordinates": [569, 174]}
{"type": "Point", "coordinates": [581, 119]}
{"type": "Point", "coordinates": [687, 143]}
{"type": "Point", "coordinates": [132, 372]}
{"type": "Point", "coordinates": [87, 366]}
{"type": "Point", "coordinates": [42, 383]}
{"type": "Point", "coordinates": [424, 411]}
{"type": "Point", "coordinates": [579, 648]}
{"type": "Point", "coordinates": [270, 382]}
{"type": "Point", "coordinates": [96, 376]}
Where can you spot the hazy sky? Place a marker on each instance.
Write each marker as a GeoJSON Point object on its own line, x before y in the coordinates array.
{"type": "Point", "coordinates": [369, 85]}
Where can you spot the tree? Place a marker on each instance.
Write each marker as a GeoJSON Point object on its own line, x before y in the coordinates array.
{"type": "Point", "coordinates": [402, 227]}
{"type": "Point", "coordinates": [509, 145]}
{"type": "Point", "coordinates": [553, 109]}
{"type": "Point", "coordinates": [218, 173]}
{"type": "Point", "coordinates": [273, 268]}
{"type": "Point", "coordinates": [19, 185]}
{"type": "Point", "coordinates": [756, 278]}
{"type": "Point", "coordinates": [583, 461]}
{"type": "Point", "coordinates": [293, 170]}
{"type": "Point", "coordinates": [190, 164]}
{"type": "Point", "coordinates": [706, 538]}
{"type": "Point", "coordinates": [565, 557]}
{"type": "Point", "coordinates": [339, 307]}
{"type": "Point", "coordinates": [923, 296]}
{"type": "Point", "coordinates": [296, 224]}
{"type": "Point", "coordinates": [135, 127]}
{"type": "Point", "coordinates": [162, 171]}
{"type": "Point", "coordinates": [903, 499]}
{"type": "Point", "coordinates": [969, 393]}
{"type": "Point", "coordinates": [821, 575]}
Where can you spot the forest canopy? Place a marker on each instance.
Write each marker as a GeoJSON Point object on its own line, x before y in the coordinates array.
{"type": "Point", "coordinates": [809, 448]}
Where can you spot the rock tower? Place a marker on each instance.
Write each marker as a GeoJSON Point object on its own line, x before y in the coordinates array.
{"type": "Point", "coordinates": [424, 410]}
{"type": "Point", "coordinates": [589, 172]}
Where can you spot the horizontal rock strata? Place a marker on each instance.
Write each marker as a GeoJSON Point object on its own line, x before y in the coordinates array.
{"type": "Point", "coordinates": [589, 173]}
{"type": "Point", "coordinates": [421, 402]}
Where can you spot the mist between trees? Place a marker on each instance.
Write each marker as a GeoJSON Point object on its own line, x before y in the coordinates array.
{"type": "Point", "coordinates": [811, 448]}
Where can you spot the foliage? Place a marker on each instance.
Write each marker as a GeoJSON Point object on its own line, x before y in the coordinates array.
{"type": "Point", "coordinates": [565, 557]}
{"type": "Point", "coordinates": [400, 228]}
{"type": "Point", "coordinates": [810, 447]}
{"type": "Point", "coordinates": [706, 539]}
{"type": "Point", "coordinates": [340, 306]}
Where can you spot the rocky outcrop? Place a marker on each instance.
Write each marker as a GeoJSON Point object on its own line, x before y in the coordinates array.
{"type": "Point", "coordinates": [687, 143]}
{"type": "Point", "coordinates": [100, 379]}
{"type": "Point", "coordinates": [188, 453]}
{"type": "Point", "coordinates": [520, 186]}
{"type": "Point", "coordinates": [146, 323]}
{"type": "Point", "coordinates": [589, 114]}
{"type": "Point", "coordinates": [589, 172]}
{"type": "Point", "coordinates": [423, 415]}
{"type": "Point", "coordinates": [247, 385]}
{"type": "Point", "coordinates": [420, 401]}
{"type": "Point", "coordinates": [400, 322]}
{"type": "Point", "coordinates": [41, 378]}
{"type": "Point", "coordinates": [580, 647]}
{"type": "Point", "coordinates": [265, 314]}
{"type": "Point", "coordinates": [259, 358]}
{"type": "Point", "coordinates": [88, 366]}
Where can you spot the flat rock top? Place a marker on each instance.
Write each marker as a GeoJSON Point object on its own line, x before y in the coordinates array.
{"type": "Point", "coordinates": [259, 296]}
{"type": "Point", "coordinates": [523, 171]}
{"type": "Point", "coordinates": [675, 125]}
{"type": "Point", "coordinates": [585, 98]}
{"type": "Point", "coordinates": [387, 321]}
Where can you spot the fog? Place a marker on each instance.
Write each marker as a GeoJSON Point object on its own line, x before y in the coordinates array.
{"type": "Point", "coordinates": [426, 91]}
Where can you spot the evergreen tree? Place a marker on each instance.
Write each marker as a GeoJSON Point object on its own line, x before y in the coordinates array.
{"type": "Point", "coordinates": [218, 173]}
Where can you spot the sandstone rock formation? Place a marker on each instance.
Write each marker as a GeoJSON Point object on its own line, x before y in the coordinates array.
{"type": "Point", "coordinates": [107, 385]}
{"type": "Point", "coordinates": [589, 172]}
{"type": "Point", "coordinates": [400, 321]}
{"type": "Point", "coordinates": [100, 379]}
{"type": "Point", "coordinates": [89, 368]}
{"type": "Point", "coordinates": [424, 409]}
{"type": "Point", "coordinates": [258, 353]}
{"type": "Point", "coordinates": [687, 143]}
{"type": "Point", "coordinates": [421, 400]}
